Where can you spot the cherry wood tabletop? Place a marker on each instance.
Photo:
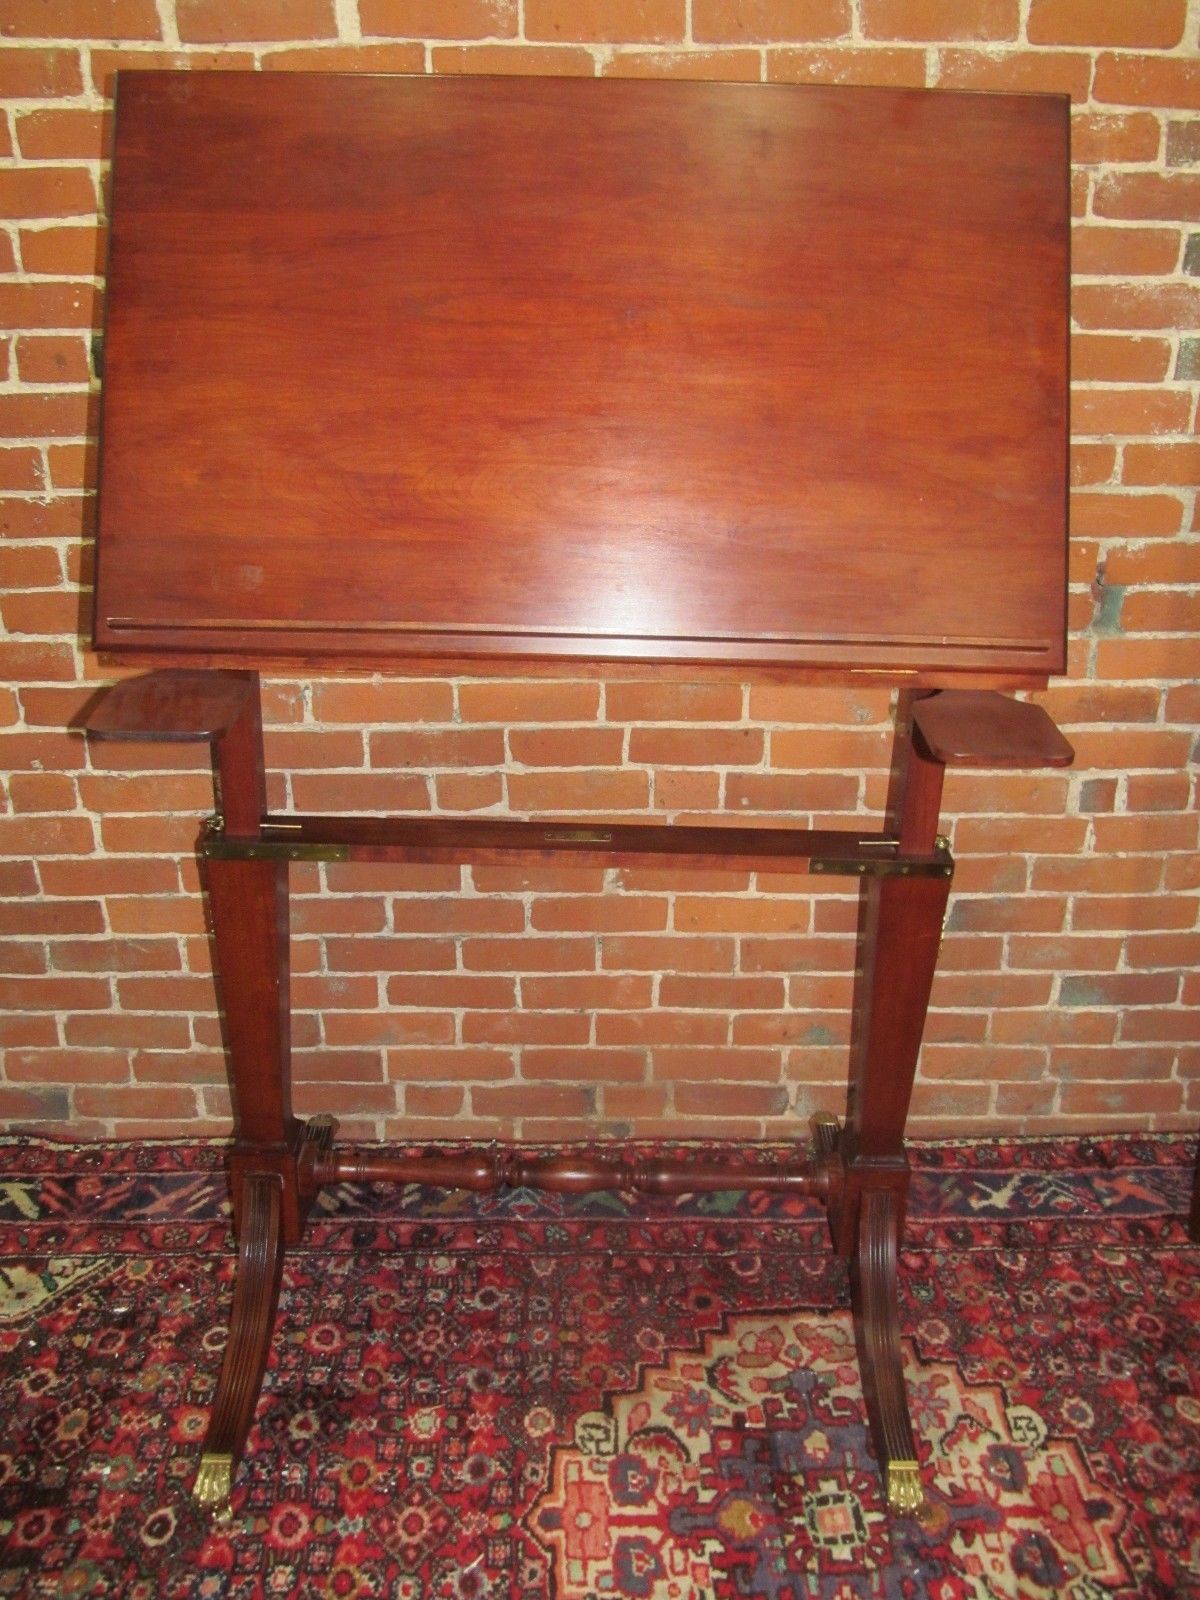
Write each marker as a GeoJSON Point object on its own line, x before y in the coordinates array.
{"type": "Point", "coordinates": [502, 371]}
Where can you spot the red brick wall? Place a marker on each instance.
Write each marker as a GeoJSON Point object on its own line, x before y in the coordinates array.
{"type": "Point", "coordinates": [1068, 995]}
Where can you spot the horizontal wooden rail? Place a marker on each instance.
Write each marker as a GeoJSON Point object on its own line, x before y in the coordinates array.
{"type": "Point", "coordinates": [428, 840]}
{"type": "Point", "coordinates": [566, 1173]}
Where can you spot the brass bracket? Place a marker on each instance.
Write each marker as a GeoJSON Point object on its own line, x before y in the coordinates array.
{"type": "Point", "coordinates": [939, 865]}
{"type": "Point", "coordinates": [221, 847]}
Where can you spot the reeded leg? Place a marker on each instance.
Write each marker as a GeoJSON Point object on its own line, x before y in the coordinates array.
{"type": "Point", "coordinates": [255, 1294]}
{"type": "Point", "coordinates": [877, 1335]}
{"type": "Point", "coordinates": [1194, 1219]}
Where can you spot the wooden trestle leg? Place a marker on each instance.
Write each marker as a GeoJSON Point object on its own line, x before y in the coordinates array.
{"type": "Point", "coordinates": [277, 1165]}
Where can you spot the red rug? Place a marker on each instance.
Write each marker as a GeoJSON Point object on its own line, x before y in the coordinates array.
{"type": "Point", "coordinates": [594, 1398]}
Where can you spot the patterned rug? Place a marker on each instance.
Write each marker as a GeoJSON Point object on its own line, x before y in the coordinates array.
{"type": "Point", "coordinates": [595, 1398]}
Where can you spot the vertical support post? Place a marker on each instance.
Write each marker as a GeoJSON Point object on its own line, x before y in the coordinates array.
{"type": "Point", "coordinates": [900, 930]}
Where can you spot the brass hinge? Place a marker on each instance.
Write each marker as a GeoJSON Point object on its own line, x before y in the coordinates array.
{"type": "Point", "coordinates": [221, 847]}
{"type": "Point", "coordinates": [939, 865]}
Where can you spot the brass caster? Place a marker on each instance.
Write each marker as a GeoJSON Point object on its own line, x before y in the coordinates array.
{"type": "Point", "coordinates": [213, 1487]}
{"type": "Point", "coordinates": [905, 1496]}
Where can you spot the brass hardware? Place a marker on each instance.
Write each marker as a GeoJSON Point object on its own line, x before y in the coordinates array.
{"type": "Point", "coordinates": [577, 836]}
{"type": "Point", "coordinates": [905, 1496]}
{"type": "Point", "coordinates": [221, 847]}
{"type": "Point", "coordinates": [215, 823]}
{"type": "Point", "coordinates": [942, 843]}
{"type": "Point", "coordinates": [214, 1484]}
{"type": "Point", "coordinates": [880, 867]}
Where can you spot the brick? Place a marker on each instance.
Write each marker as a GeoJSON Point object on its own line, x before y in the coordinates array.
{"type": "Point", "coordinates": [709, 914]}
{"type": "Point", "coordinates": [1098, 137]}
{"type": "Point", "coordinates": [452, 990]}
{"type": "Point", "coordinates": [467, 791]}
{"type": "Point", "coordinates": [42, 791]}
{"type": "Point", "coordinates": [1110, 358]}
{"type": "Point", "coordinates": [216, 22]}
{"type": "Point", "coordinates": [1142, 833]}
{"type": "Point", "coordinates": [1164, 561]}
{"type": "Point", "coordinates": [805, 750]}
{"type": "Point", "coordinates": [733, 1100]}
{"type": "Point", "coordinates": [1021, 72]}
{"type": "Point", "coordinates": [526, 1027]}
{"type": "Point", "coordinates": [20, 468]}
{"type": "Point", "coordinates": [72, 466]}
{"type": "Point", "coordinates": [755, 791]}
{"type": "Point", "coordinates": [59, 358]}
{"type": "Point", "coordinates": [319, 750]}
{"type": "Point", "coordinates": [354, 791]}
{"type": "Point", "coordinates": [607, 1065]}
{"type": "Point", "coordinates": [344, 1029]}
{"type": "Point", "coordinates": [1129, 748]}
{"type": "Point", "coordinates": [40, 1107]}
{"type": "Point", "coordinates": [427, 749]}
{"type": "Point", "coordinates": [1147, 81]}
{"type": "Point", "coordinates": [1096, 874]}
{"type": "Point", "coordinates": [1174, 611]}
{"type": "Point", "coordinates": [1128, 1100]}
{"type": "Point", "coordinates": [1119, 989]}
{"type": "Point", "coordinates": [535, 702]}
{"type": "Point", "coordinates": [1136, 305]}
{"type": "Point", "coordinates": [1162, 464]}
{"type": "Point", "coordinates": [1117, 514]}
{"type": "Point", "coordinates": [562, 60]}
{"type": "Point", "coordinates": [390, 955]}
{"type": "Point", "coordinates": [1183, 142]}
{"type": "Point", "coordinates": [768, 21]}
{"type": "Point", "coordinates": [81, 19]}
{"type": "Point", "coordinates": [1166, 791]}
{"type": "Point", "coordinates": [940, 19]}
{"type": "Point", "coordinates": [709, 1065]}
{"type": "Point", "coordinates": [44, 415]}
{"type": "Point", "coordinates": [67, 132]}
{"type": "Point", "coordinates": [1142, 412]}
{"type": "Point", "coordinates": [661, 1028]}
{"type": "Point", "coordinates": [29, 73]}
{"type": "Point", "coordinates": [1187, 364]}
{"type": "Point", "coordinates": [1136, 912]}
{"type": "Point", "coordinates": [696, 746]}
{"type": "Point", "coordinates": [533, 1100]}
{"type": "Point", "coordinates": [431, 1100]}
{"type": "Point", "coordinates": [1169, 196]}
{"type": "Point", "coordinates": [528, 954]}
{"type": "Point", "coordinates": [46, 192]}
{"type": "Point", "coordinates": [439, 19]}
{"type": "Point", "coordinates": [605, 21]}
{"type": "Point", "coordinates": [593, 991]}
{"type": "Point", "coordinates": [403, 701]}
{"type": "Point", "coordinates": [1124, 252]}
{"type": "Point", "coordinates": [55, 994]}
{"type": "Point", "coordinates": [635, 953]}
{"type": "Point", "coordinates": [1131, 659]}
{"type": "Point", "coordinates": [577, 792]}
{"type": "Point", "coordinates": [1149, 951]}
{"type": "Point", "coordinates": [725, 66]}
{"type": "Point", "coordinates": [1127, 24]}
{"type": "Point", "coordinates": [567, 747]}
{"type": "Point", "coordinates": [673, 702]}
{"type": "Point", "coordinates": [609, 914]}
{"type": "Point", "coordinates": [65, 517]}
{"type": "Point", "coordinates": [710, 993]}
{"type": "Point", "coordinates": [346, 58]}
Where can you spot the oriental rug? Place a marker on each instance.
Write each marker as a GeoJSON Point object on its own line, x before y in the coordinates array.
{"type": "Point", "coordinates": [597, 1397]}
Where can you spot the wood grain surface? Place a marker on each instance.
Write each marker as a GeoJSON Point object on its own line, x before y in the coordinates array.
{"type": "Point", "coordinates": [496, 370]}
